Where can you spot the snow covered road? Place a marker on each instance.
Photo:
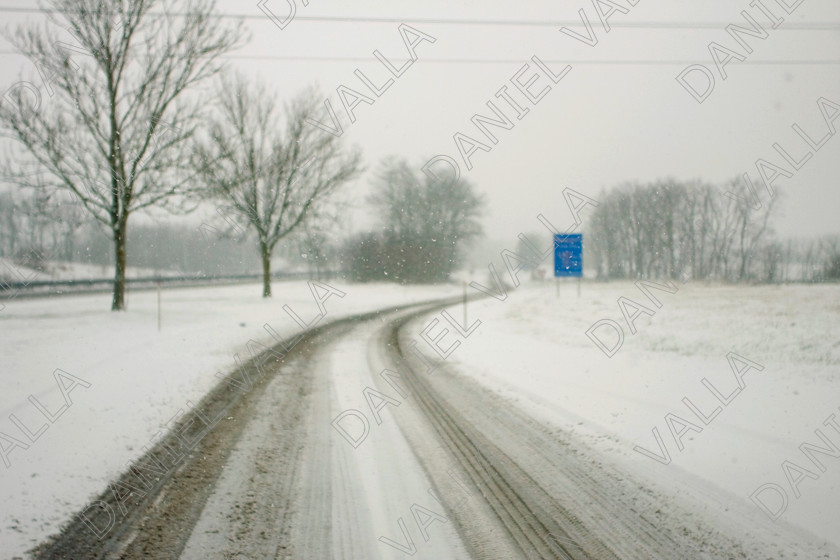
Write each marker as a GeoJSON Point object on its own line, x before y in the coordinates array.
{"type": "Point", "coordinates": [353, 445]}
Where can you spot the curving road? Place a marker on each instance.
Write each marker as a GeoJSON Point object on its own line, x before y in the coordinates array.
{"type": "Point", "coordinates": [441, 468]}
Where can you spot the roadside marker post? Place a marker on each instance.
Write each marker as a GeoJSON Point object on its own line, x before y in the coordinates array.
{"type": "Point", "coordinates": [465, 306]}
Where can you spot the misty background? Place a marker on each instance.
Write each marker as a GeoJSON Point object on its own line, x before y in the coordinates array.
{"type": "Point", "coordinates": [619, 117]}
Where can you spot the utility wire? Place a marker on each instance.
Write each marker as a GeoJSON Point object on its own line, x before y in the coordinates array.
{"type": "Point", "coordinates": [281, 58]}
{"type": "Point", "coordinates": [825, 26]}
{"type": "Point", "coordinates": [792, 26]}
{"type": "Point", "coordinates": [520, 61]}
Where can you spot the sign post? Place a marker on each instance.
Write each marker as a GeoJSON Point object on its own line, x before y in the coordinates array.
{"type": "Point", "coordinates": [465, 305]}
{"type": "Point", "coordinates": [158, 310]}
{"type": "Point", "coordinates": [568, 258]}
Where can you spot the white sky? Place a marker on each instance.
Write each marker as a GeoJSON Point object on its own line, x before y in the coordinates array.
{"type": "Point", "coordinates": [603, 124]}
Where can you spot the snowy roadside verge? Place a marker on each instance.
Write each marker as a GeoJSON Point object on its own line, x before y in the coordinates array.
{"type": "Point", "coordinates": [533, 349]}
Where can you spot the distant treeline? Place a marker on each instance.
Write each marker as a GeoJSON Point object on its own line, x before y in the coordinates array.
{"type": "Point", "coordinates": [669, 229]}
{"type": "Point", "coordinates": [666, 229]}
{"type": "Point", "coordinates": [33, 231]}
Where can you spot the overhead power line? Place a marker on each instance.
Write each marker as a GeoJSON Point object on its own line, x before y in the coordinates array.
{"type": "Point", "coordinates": [520, 61]}
{"type": "Point", "coordinates": [282, 58]}
{"type": "Point", "coordinates": [787, 26]}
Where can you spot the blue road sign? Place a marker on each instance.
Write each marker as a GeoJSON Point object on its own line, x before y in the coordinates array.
{"type": "Point", "coordinates": [568, 255]}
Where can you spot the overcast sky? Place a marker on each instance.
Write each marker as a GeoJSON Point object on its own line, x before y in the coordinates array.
{"type": "Point", "coordinates": [618, 115]}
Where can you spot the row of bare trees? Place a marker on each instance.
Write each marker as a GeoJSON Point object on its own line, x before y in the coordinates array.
{"type": "Point", "coordinates": [671, 229]}
{"type": "Point", "coordinates": [800, 260]}
{"type": "Point", "coordinates": [33, 222]}
{"type": "Point", "coordinates": [121, 121]}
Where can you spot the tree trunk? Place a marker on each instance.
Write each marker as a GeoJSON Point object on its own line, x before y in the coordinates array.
{"type": "Point", "coordinates": [265, 253]}
{"type": "Point", "coordinates": [742, 271]}
{"type": "Point", "coordinates": [118, 301]}
{"type": "Point", "coordinates": [13, 231]}
{"type": "Point", "coordinates": [69, 245]}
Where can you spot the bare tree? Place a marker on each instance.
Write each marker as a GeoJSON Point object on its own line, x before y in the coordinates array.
{"type": "Point", "coordinates": [316, 238]}
{"type": "Point", "coordinates": [69, 218]}
{"type": "Point", "coordinates": [117, 116]}
{"type": "Point", "coordinates": [9, 223]}
{"type": "Point", "coordinates": [830, 247]}
{"type": "Point", "coordinates": [771, 258]}
{"type": "Point", "coordinates": [271, 176]}
{"type": "Point", "coordinates": [37, 213]}
{"type": "Point", "coordinates": [425, 220]}
{"type": "Point", "coordinates": [751, 225]}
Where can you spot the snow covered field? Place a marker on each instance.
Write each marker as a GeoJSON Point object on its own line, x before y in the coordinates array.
{"type": "Point", "coordinates": [123, 381]}
{"type": "Point", "coordinates": [780, 390]}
